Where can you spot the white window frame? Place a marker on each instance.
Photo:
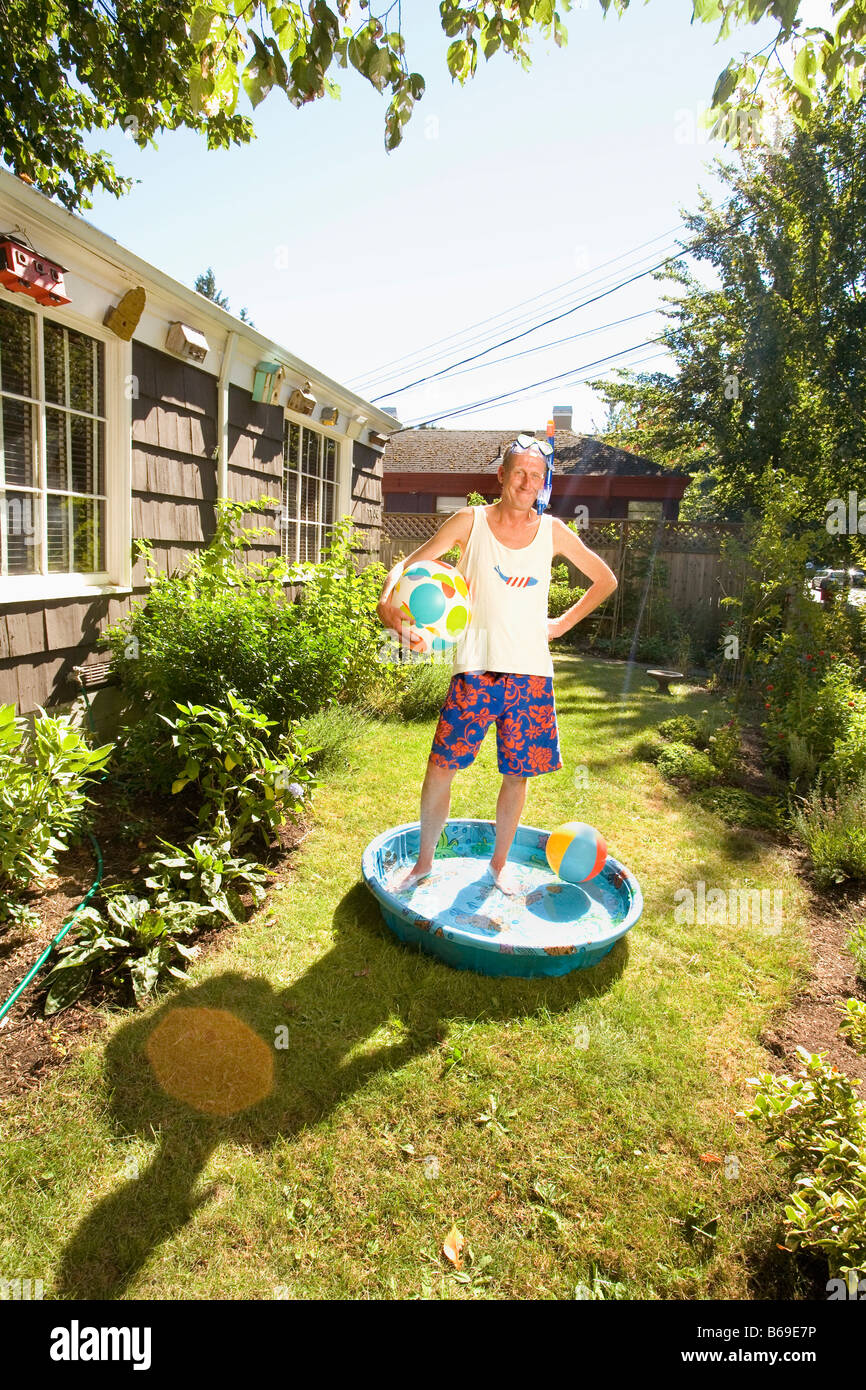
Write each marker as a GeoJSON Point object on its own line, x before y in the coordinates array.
{"type": "Point", "coordinates": [116, 578]}
{"type": "Point", "coordinates": [342, 471]}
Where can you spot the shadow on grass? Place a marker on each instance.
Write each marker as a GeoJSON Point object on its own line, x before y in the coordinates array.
{"type": "Point", "coordinates": [218, 1046]}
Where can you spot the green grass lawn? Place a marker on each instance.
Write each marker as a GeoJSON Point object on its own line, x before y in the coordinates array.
{"type": "Point", "coordinates": [611, 1087]}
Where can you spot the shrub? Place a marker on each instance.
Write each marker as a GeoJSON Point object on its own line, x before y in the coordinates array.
{"type": "Point", "coordinates": [735, 806]}
{"type": "Point", "coordinates": [222, 625]}
{"type": "Point", "coordinates": [819, 1127]}
{"type": "Point", "coordinates": [330, 733]}
{"type": "Point", "coordinates": [723, 747]}
{"type": "Point", "coordinates": [833, 829]}
{"type": "Point", "coordinates": [682, 728]}
{"type": "Point", "coordinates": [816, 717]}
{"type": "Point", "coordinates": [853, 1025]}
{"type": "Point", "coordinates": [42, 797]}
{"type": "Point", "coordinates": [681, 760]}
{"type": "Point", "coordinates": [138, 947]}
{"type": "Point", "coordinates": [648, 750]}
{"type": "Point", "coordinates": [563, 595]}
{"type": "Point", "coordinates": [426, 691]}
{"type": "Point", "coordinates": [244, 790]}
{"type": "Point", "coordinates": [206, 872]}
{"type": "Point", "coordinates": [857, 947]}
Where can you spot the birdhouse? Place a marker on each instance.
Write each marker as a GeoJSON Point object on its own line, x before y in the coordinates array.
{"type": "Point", "coordinates": [302, 401]}
{"type": "Point", "coordinates": [26, 272]}
{"type": "Point", "coordinates": [329, 414]}
{"type": "Point", "coordinates": [122, 318]}
{"type": "Point", "coordinates": [187, 342]}
{"type": "Point", "coordinates": [269, 377]}
{"type": "Point", "coordinates": [377, 440]}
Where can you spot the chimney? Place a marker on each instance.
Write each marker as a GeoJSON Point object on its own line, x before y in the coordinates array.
{"type": "Point", "coordinates": [562, 417]}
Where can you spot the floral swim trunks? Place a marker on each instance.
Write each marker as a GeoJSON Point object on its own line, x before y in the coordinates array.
{"type": "Point", "coordinates": [527, 739]}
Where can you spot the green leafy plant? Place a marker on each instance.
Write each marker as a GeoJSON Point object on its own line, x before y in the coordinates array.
{"type": "Point", "coordinates": [682, 728]}
{"type": "Point", "coordinates": [681, 760]}
{"type": "Point", "coordinates": [832, 826]}
{"type": "Point", "coordinates": [857, 946]}
{"type": "Point", "coordinates": [735, 806]}
{"type": "Point", "coordinates": [206, 873]}
{"type": "Point", "coordinates": [245, 791]}
{"type": "Point", "coordinates": [42, 797]}
{"type": "Point", "coordinates": [224, 625]}
{"type": "Point", "coordinates": [818, 1126]}
{"type": "Point", "coordinates": [853, 1025]}
{"type": "Point", "coordinates": [137, 947]}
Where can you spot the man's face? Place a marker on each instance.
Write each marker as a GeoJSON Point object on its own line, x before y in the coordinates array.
{"type": "Point", "coordinates": [525, 478]}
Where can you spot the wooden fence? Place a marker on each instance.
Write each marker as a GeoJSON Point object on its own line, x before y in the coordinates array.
{"type": "Point", "coordinates": [687, 553]}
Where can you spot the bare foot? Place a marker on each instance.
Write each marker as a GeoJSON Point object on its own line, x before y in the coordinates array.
{"type": "Point", "coordinates": [410, 878]}
{"type": "Point", "coordinates": [505, 880]}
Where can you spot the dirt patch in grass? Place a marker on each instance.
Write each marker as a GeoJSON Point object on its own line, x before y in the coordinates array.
{"type": "Point", "coordinates": [126, 832]}
{"type": "Point", "coordinates": [813, 1019]}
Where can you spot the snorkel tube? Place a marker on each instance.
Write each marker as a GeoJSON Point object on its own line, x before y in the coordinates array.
{"type": "Point", "coordinates": [542, 501]}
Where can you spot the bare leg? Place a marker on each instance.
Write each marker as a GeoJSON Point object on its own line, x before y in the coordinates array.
{"type": "Point", "coordinates": [435, 805]}
{"type": "Point", "coordinates": [509, 807]}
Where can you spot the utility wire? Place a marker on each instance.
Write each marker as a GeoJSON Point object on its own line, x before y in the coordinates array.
{"type": "Point", "coordinates": [515, 338]}
{"type": "Point", "coordinates": [375, 372]}
{"type": "Point", "coordinates": [517, 396]}
{"type": "Point", "coordinates": [382, 385]}
{"type": "Point", "coordinates": [545, 381]}
{"type": "Point", "coordinates": [558, 342]}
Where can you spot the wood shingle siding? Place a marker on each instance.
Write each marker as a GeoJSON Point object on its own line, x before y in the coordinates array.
{"type": "Point", "coordinates": [367, 501]}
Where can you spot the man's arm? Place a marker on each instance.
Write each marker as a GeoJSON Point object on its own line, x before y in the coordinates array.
{"type": "Point", "coordinates": [453, 531]}
{"type": "Point", "coordinates": [567, 543]}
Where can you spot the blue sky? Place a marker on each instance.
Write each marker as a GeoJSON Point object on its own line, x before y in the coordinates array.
{"type": "Point", "coordinates": [500, 191]}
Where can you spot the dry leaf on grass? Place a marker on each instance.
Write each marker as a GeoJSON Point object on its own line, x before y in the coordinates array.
{"type": "Point", "coordinates": [453, 1247]}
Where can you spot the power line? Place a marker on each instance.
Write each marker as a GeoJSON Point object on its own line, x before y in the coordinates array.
{"type": "Point", "coordinates": [519, 395]}
{"type": "Point", "coordinates": [535, 385]}
{"type": "Point", "coordinates": [515, 338]}
{"type": "Point", "coordinates": [441, 358]}
{"type": "Point", "coordinates": [558, 342]}
{"type": "Point", "coordinates": [424, 352]}
{"type": "Point", "coordinates": [527, 320]}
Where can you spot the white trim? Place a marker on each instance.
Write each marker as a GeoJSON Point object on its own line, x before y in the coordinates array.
{"type": "Point", "coordinates": [87, 243]}
{"type": "Point", "coordinates": [116, 463]}
{"type": "Point", "coordinates": [31, 588]}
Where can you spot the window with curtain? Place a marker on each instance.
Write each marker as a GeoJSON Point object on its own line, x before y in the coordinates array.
{"type": "Point", "coordinates": [52, 447]}
{"type": "Point", "coordinates": [309, 492]}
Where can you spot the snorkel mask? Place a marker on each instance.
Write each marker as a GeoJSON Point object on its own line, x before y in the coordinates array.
{"type": "Point", "coordinates": [544, 447]}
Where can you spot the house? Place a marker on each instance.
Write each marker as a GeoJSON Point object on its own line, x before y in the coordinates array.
{"type": "Point", "coordinates": [432, 470]}
{"type": "Point", "coordinates": [128, 404]}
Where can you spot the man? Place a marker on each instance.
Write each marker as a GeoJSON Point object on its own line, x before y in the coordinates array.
{"type": "Point", "coordinates": [502, 669]}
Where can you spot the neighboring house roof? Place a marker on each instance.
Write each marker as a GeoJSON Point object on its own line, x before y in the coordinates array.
{"type": "Point", "coordinates": [479, 451]}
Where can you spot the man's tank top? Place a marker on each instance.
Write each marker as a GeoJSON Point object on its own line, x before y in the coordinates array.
{"type": "Point", "coordinates": [509, 591]}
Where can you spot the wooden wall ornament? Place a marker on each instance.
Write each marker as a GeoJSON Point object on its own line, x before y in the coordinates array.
{"type": "Point", "coordinates": [24, 271]}
{"type": "Point", "coordinates": [122, 318]}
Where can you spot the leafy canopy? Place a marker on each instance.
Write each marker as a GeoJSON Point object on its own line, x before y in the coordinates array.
{"type": "Point", "coordinates": [771, 379]}
{"type": "Point", "coordinates": [70, 67]}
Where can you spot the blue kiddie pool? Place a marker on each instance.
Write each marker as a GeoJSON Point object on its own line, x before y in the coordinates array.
{"type": "Point", "coordinates": [457, 913]}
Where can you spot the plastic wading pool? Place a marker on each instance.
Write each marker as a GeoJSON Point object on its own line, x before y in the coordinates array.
{"type": "Point", "coordinates": [458, 914]}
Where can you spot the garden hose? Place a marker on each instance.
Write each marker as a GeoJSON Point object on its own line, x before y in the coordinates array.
{"type": "Point", "coordinates": [34, 969]}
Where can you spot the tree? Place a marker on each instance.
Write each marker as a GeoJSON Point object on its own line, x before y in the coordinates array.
{"type": "Point", "coordinates": [771, 374]}
{"type": "Point", "coordinates": [206, 285]}
{"type": "Point", "coordinates": [69, 67]}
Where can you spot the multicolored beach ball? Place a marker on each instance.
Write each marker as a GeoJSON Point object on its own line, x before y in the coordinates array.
{"type": "Point", "coordinates": [435, 598]}
{"type": "Point", "coordinates": [576, 851]}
